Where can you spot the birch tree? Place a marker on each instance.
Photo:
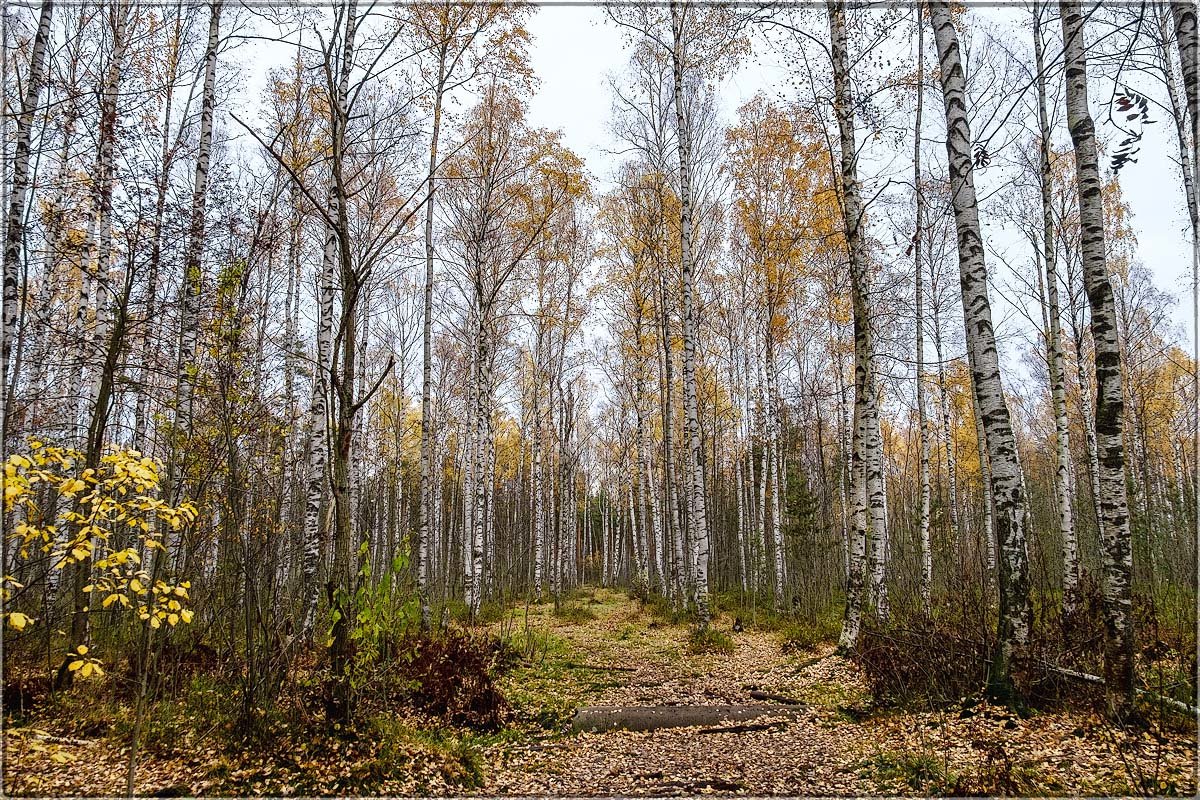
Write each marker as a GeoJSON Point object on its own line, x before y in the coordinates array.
{"type": "Point", "coordinates": [18, 196]}
{"type": "Point", "coordinates": [865, 393]}
{"type": "Point", "coordinates": [1116, 544]}
{"type": "Point", "coordinates": [1008, 501]}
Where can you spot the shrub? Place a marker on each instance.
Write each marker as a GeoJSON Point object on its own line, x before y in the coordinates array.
{"type": "Point", "coordinates": [922, 661]}
{"type": "Point", "coordinates": [919, 771]}
{"type": "Point", "coordinates": [708, 639]}
{"type": "Point", "coordinates": [808, 634]}
{"type": "Point", "coordinates": [452, 677]}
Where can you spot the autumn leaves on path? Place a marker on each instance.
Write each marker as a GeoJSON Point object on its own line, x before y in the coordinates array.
{"type": "Point", "coordinates": [628, 657]}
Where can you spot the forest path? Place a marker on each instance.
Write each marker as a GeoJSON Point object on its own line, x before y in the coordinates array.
{"type": "Point", "coordinates": [811, 752]}
{"type": "Point", "coordinates": [823, 750]}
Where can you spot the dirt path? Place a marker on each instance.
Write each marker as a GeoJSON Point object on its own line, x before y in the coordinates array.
{"type": "Point", "coordinates": [823, 751]}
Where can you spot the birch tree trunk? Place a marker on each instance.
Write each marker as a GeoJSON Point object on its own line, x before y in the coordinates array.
{"type": "Point", "coordinates": [539, 527]}
{"type": "Point", "coordinates": [864, 368]}
{"type": "Point", "coordinates": [1110, 402]}
{"type": "Point", "coordinates": [919, 302]}
{"type": "Point", "coordinates": [14, 238]}
{"type": "Point", "coordinates": [426, 490]}
{"type": "Point", "coordinates": [1054, 357]}
{"type": "Point", "coordinates": [877, 503]}
{"type": "Point", "coordinates": [192, 276]}
{"type": "Point", "coordinates": [318, 441]}
{"type": "Point", "coordinates": [773, 470]}
{"type": "Point", "coordinates": [698, 516]}
{"type": "Point", "coordinates": [342, 570]}
{"type": "Point", "coordinates": [947, 430]}
{"type": "Point", "coordinates": [1186, 39]}
{"type": "Point", "coordinates": [987, 509]}
{"type": "Point", "coordinates": [1015, 618]}
{"type": "Point", "coordinates": [1086, 414]}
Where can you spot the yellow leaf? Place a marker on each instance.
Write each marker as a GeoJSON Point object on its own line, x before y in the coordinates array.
{"type": "Point", "coordinates": [75, 665]}
{"type": "Point", "coordinates": [82, 649]}
{"type": "Point", "coordinates": [186, 615]}
{"type": "Point", "coordinates": [18, 620]}
{"type": "Point", "coordinates": [173, 619]}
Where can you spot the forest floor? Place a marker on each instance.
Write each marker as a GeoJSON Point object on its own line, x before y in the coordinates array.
{"type": "Point", "coordinates": [605, 649]}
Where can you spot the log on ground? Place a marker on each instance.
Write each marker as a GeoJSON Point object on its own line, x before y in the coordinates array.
{"type": "Point", "coordinates": [649, 718]}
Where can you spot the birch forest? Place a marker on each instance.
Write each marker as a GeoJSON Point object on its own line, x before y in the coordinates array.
{"type": "Point", "coordinates": [439, 398]}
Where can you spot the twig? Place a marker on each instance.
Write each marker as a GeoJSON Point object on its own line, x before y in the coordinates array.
{"type": "Point", "coordinates": [598, 667]}
{"type": "Point", "coordinates": [755, 694]}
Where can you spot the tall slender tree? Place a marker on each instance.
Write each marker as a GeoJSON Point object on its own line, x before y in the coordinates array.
{"type": "Point", "coordinates": [1007, 496]}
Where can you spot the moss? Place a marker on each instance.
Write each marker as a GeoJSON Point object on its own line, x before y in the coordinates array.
{"type": "Point", "coordinates": [830, 695]}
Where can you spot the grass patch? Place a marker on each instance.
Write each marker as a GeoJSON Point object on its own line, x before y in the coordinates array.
{"type": "Point", "coordinates": [541, 689]}
{"type": "Point", "coordinates": [659, 608]}
{"type": "Point", "coordinates": [574, 614]}
{"type": "Point", "coordinates": [920, 772]}
{"type": "Point", "coordinates": [707, 640]}
{"type": "Point", "coordinates": [831, 695]}
{"type": "Point", "coordinates": [457, 752]}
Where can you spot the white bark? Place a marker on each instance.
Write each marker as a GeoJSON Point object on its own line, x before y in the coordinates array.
{"type": "Point", "coordinates": [1015, 618]}
{"type": "Point", "coordinates": [1054, 357]}
{"type": "Point", "coordinates": [698, 516]}
{"type": "Point", "coordinates": [919, 313]}
{"type": "Point", "coordinates": [865, 411]}
{"type": "Point", "coordinates": [192, 275]}
{"type": "Point", "coordinates": [14, 235]}
{"type": "Point", "coordinates": [1116, 544]}
{"type": "Point", "coordinates": [318, 455]}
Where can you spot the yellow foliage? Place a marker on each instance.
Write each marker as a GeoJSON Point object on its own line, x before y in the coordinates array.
{"type": "Point", "coordinates": [785, 208]}
{"type": "Point", "coordinates": [119, 493]}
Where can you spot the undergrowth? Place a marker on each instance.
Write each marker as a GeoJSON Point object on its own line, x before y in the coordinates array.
{"type": "Point", "coordinates": [705, 639]}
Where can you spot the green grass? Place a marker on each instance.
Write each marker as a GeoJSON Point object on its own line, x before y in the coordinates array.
{"type": "Point", "coordinates": [708, 640]}
{"type": "Point", "coordinates": [920, 772]}
{"type": "Point", "coordinates": [574, 613]}
{"type": "Point", "coordinates": [458, 751]}
{"type": "Point", "coordinates": [798, 636]}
